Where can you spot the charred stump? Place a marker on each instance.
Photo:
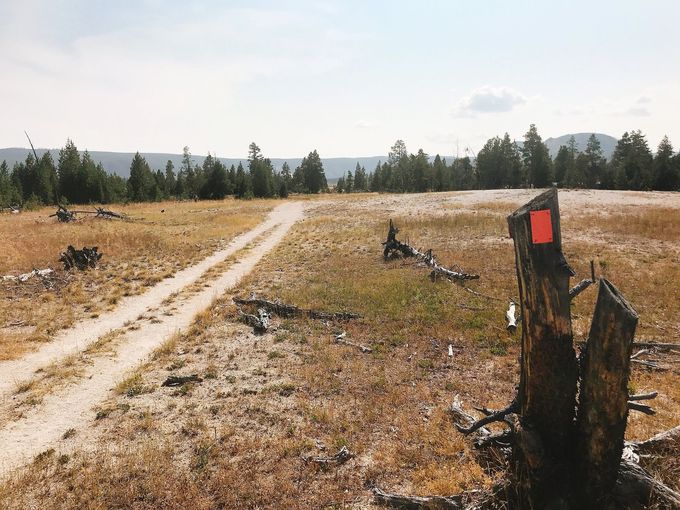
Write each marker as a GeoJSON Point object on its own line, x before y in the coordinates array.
{"type": "Point", "coordinates": [80, 259]}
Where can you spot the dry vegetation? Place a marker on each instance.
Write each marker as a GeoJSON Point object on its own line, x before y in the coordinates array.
{"type": "Point", "coordinates": [237, 439]}
{"type": "Point", "coordinates": [157, 240]}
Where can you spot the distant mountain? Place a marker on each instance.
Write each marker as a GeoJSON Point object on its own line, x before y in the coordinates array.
{"type": "Point", "coordinates": [607, 142]}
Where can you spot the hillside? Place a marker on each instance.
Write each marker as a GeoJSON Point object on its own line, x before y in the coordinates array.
{"type": "Point", "coordinates": [608, 143]}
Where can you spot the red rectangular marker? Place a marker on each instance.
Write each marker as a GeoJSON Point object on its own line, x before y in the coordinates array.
{"type": "Point", "coordinates": [541, 226]}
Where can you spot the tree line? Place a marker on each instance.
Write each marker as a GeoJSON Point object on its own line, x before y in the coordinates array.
{"type": "Point", "coordinates": [76, 179]}
{"type": "Point", "coordinates": [503, 163]}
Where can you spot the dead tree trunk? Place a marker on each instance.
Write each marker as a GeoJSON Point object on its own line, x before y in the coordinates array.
{"type": "Point", "coordinates": [603, 397]}
{"type": "Point", "coordinates": [548, 374]}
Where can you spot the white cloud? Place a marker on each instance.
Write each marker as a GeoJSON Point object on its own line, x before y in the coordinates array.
{"type": "Point", "coordinates": [488, 99]}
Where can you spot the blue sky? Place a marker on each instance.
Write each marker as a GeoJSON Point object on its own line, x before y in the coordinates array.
{"type": "Point", "coordinates": [345, 77]}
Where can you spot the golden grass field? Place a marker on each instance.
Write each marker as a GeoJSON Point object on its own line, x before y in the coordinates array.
{"type": "Point", "coordinates": [238, 439]}
{"type": "Point", "coordinates": [157, 240]}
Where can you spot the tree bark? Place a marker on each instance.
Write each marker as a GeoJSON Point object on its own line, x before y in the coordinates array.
{"type": "Point", "coordinates": [548, 374]}
{"type": "Point", "coordinates": [603, 406]}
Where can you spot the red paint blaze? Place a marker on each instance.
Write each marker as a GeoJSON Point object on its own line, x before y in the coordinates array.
{"type": "Point", "coordinates": [541, 226]}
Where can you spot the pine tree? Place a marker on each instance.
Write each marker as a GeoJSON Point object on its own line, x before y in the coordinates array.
{"type": "Point", "coordinates": [312, 173]}
{"type": "Point", "coordinates": [596, 164]}
{"type": "Point", "coordinates": [349, 183]}
{"type": "Point", "coordinates": [665, 172]}
{"type": "Point", "coordinates": [67, 168]}
{"type": "Point", "coordinates": [536, 159]}
{"type": "Point", "coordinates": [170, 179]}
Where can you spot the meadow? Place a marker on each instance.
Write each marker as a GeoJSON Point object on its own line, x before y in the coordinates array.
{"type": "Point", "coordinates": [242, 436]}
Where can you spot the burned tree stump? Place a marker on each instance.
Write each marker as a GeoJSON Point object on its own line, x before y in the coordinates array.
{"type": "Point", "coordinates": [603, 406]}
{"type": "Point", "coordinates": [80, 259]}
{"type": "Point", "coordinates": [547, 389]}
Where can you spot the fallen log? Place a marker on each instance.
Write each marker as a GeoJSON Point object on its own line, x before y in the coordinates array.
{"type": "Point", "coordinates": [340, 339]}
{"type": "Point", "coordinates": [259, 322]}
{"type": "Point", "coordinates": [635, 487]}
{"type": "Point", "coordinates": [106, 213]}
{"type": "Point", "coordinates": [661, 441]}
{"type": "Point", "coordinates": [393, 245]}
{"type": "Point", "coordinates": [285, 310]}
{"type": "Point", "coordinates": [80, 259]}
{"type": "Point", "coordinates": [642, 408]}
{"type": "Point", "coordinates": [179, 380]}
{"type": "Point", "coordinates": [341, 457]}
{"type": "Point", "coordinates": [404, 502]}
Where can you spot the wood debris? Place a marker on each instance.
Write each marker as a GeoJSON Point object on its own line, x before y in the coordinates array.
{"type": "Point", "coordinates": [286, 310]}
{"type": "Point", "coordinates": [80, 259]}
{"type": "Point", "coordinates": [394, 246]}
{"type": "Point", "coordinates": [341, 457]}
{"type": "Point", "coordinates": [259, 322]}
{"type": "Point", "coordinates": [179, 380]}
{"type": "Point", "coordinates": [341, 338]}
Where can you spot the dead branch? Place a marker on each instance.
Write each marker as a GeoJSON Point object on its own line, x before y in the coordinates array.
{"type": "Point", "coordinates": [655, 345]}
{"type": "Point", "coordinates": [27, 276]}
{"type": "Point", "coordinates": [286, 310]}
{"type": "Point", "coordinates": [493, 417]}
{"type": "Point", "coordinates": [393, 245]}
{"type": "Point", "coordinates": [583, 284]}
{"type": "Point", "coordinates": [642, 408]}
{"type": "Point", "coordinates": [652, 365]}
{"type": "Point", "coordinates": [259, 322]}
{"type": "Point", "coordinates": [179, 380]}
{"type": "Point", "coordinates": [341, 457]}
{"type": "Point", "coordinates": [501, 439]}
{"type": "Point", "coordinates": [107, 214]}
{"type": "Point", "coordinates": [340, 339]}
{"type": "Point", "coordinates": [644, 396]}
{"type": "Point", "coordinates": [659, 442]}
{"type": "Point", "coordinates": [463, 420]}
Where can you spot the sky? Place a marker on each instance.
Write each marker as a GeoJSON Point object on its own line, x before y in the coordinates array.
{"type": "Point", "coordinates": [346, 78]}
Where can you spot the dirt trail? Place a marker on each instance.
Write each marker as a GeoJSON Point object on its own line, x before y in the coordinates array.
{"type": "Point", "coordinates": [79, 336]}
{"type": "Point", "coordinates": [43, 426]}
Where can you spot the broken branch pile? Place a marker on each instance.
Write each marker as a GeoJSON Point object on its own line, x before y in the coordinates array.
{"type": "Point", "coordinates": [393, 245]}
{"type": "Point", "coordinates": [80, 259]}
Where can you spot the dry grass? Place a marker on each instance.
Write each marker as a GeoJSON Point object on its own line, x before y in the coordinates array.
{"type": "Point", "coordinates": [236, 440]}
{"type": "Point", "coordinates": [138, 253]}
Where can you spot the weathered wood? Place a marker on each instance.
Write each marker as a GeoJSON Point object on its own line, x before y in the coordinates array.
{"type": "Point", "coordinates": [583, 284]}
{"type": "Point", "coordinates": [342, 456]}
{"type": "Point", "coordinates": [179, 380]}
{"type": "Point", "coordinates": [511, 317]}
{"type": "Point", "coordinates": [64, 215]}
{"type": "Point", "coordinates": [635, 488]}
{"type": "Point", "coordinates": [259, 322]}
{"type": "Point", "coordinates": [40, 273]}
{"type": "Point", "coordinates": [642, 408]}
{"type": "Point", "coordinates": [80, 259]}
{"type": "Point", "coordinates": [669, 439]}
{"type": "Point", "coordinates": [285, 310]}
{"type": "Point", "coordinates": [340, 338]}
{"type": "Point", "coordinates": [393, 245]}
{"type": "Point", "coordinates": [491, 417]}
{"type": "Point", "coordinates": [603, 406]}
{"type": "Point", "coordinates": [404, 502]}
{"type": "Point", "coordinates": [549, 370]}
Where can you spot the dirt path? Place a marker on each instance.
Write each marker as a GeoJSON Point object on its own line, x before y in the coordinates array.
{"type": "Point", "coordinates": [78, 337]}
{"type": "Point", "coordinates": [43, 426]}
